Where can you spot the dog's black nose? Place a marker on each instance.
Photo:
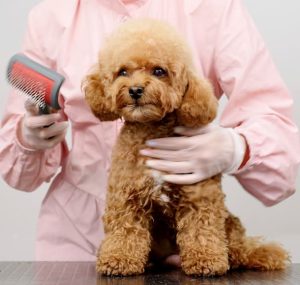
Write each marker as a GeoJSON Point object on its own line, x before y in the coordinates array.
{"type": "Point", "coordinates": [136, 92]}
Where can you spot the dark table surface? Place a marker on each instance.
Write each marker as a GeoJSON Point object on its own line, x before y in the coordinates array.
{"type": "Point", "coordinates": [77, 273]}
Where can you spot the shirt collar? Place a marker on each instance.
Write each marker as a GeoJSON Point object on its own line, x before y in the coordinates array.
{"type": "Point", "coordinates": [120, 5]}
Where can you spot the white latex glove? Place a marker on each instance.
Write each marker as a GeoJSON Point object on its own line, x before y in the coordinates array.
{"type": "Point", "coordinates": [40, 132]}
{"type": "Point", "coordinates": [197, 155]}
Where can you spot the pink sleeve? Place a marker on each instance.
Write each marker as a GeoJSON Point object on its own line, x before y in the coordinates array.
{"type": "Point", "coordinates": [22, 168]}
{"type": "Point", "coordinates": [259, 107]}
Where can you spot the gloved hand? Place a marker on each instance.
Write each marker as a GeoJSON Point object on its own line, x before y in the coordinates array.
{"type": "Point", "coordinates": [40, 132]}
{"type": "Point", "coordinates": [197, 155]}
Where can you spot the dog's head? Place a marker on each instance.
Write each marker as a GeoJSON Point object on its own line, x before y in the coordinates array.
{"type": "Point", "coordinates": [145, 71]}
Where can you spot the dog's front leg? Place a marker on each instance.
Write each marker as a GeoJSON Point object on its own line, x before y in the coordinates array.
{"type": "Point", "coordinates": [126, 246]}
{"type": "Point", "coordinates": [201, 229]}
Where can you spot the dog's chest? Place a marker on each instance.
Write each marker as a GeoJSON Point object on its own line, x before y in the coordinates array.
{"type": "Point", "coordinates": [163, 193]}
{"type": "Point", "coordinates": [154, 190]}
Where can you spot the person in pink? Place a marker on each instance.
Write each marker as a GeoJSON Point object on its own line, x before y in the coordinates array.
{"type": "Point", "coordinates": [256, 141]}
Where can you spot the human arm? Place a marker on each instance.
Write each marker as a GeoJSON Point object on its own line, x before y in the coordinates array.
{"type": "Point", "coordinates": [259, 108]}
{"type": "Point", "coordinates": [22, 165]}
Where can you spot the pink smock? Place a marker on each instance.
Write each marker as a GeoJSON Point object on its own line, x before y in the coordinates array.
{"type": "Point", "coordinates": [66, 35]}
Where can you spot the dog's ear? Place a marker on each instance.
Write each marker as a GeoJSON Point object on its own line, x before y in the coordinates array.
{"type": "Point", "coordinates": [101, 105]}
{"type": "Point", "coordinates": [199, 105]}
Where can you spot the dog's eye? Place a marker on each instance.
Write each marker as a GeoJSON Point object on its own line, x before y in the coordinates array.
{"type": "Point", "coordinates": [122, 72]}
{"type": "Point", "coordinates": [159, 72]}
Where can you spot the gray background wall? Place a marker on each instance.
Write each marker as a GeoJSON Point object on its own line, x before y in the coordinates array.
{"type": "Point", "coordinates": [279, 22]}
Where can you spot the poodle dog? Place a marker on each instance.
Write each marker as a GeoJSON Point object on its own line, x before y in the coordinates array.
{"type": "Point", "coordinates": [145, 76]}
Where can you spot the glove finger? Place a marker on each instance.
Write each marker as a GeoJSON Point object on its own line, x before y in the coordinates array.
{"type": "Point", "coordinates": [171, 155]}
{"type": "Point", "coordinates": [41, 120]}
{"type": "Point", "coordinates": [31, 107]}
{"type": "Point", "coordinates": [185, 131]}
{"type": "Point", "coordinates": [53, 130]}
{"type": "Point", "coordinates": [171, 143]}
{"type": "Point", "coordinates": [43, 144]}
{"type": "Point", "coordinates": [184, 179]}
{"type": "Point", "coordinates": [170, 166]}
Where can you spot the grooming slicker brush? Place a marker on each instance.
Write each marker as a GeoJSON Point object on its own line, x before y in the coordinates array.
{"type": "Point", "coordinates": [36, 81]}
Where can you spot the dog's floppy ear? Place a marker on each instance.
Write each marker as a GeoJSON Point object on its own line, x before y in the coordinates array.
{"type": "Point", "coordinates": [100, 104]}
{"type": "Point", "coordinates": [199, 105]}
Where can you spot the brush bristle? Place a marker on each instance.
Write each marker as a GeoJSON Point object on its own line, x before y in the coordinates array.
{"type": "Point", "coordinates": [30, 83]}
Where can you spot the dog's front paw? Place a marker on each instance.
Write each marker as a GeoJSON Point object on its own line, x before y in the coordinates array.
{"type": "Point", "coordinates": [201, 263]}
{"type": "Point", "coordinates": [119, 264]}
{"type": "Point", "coordinates": [119, 255]}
